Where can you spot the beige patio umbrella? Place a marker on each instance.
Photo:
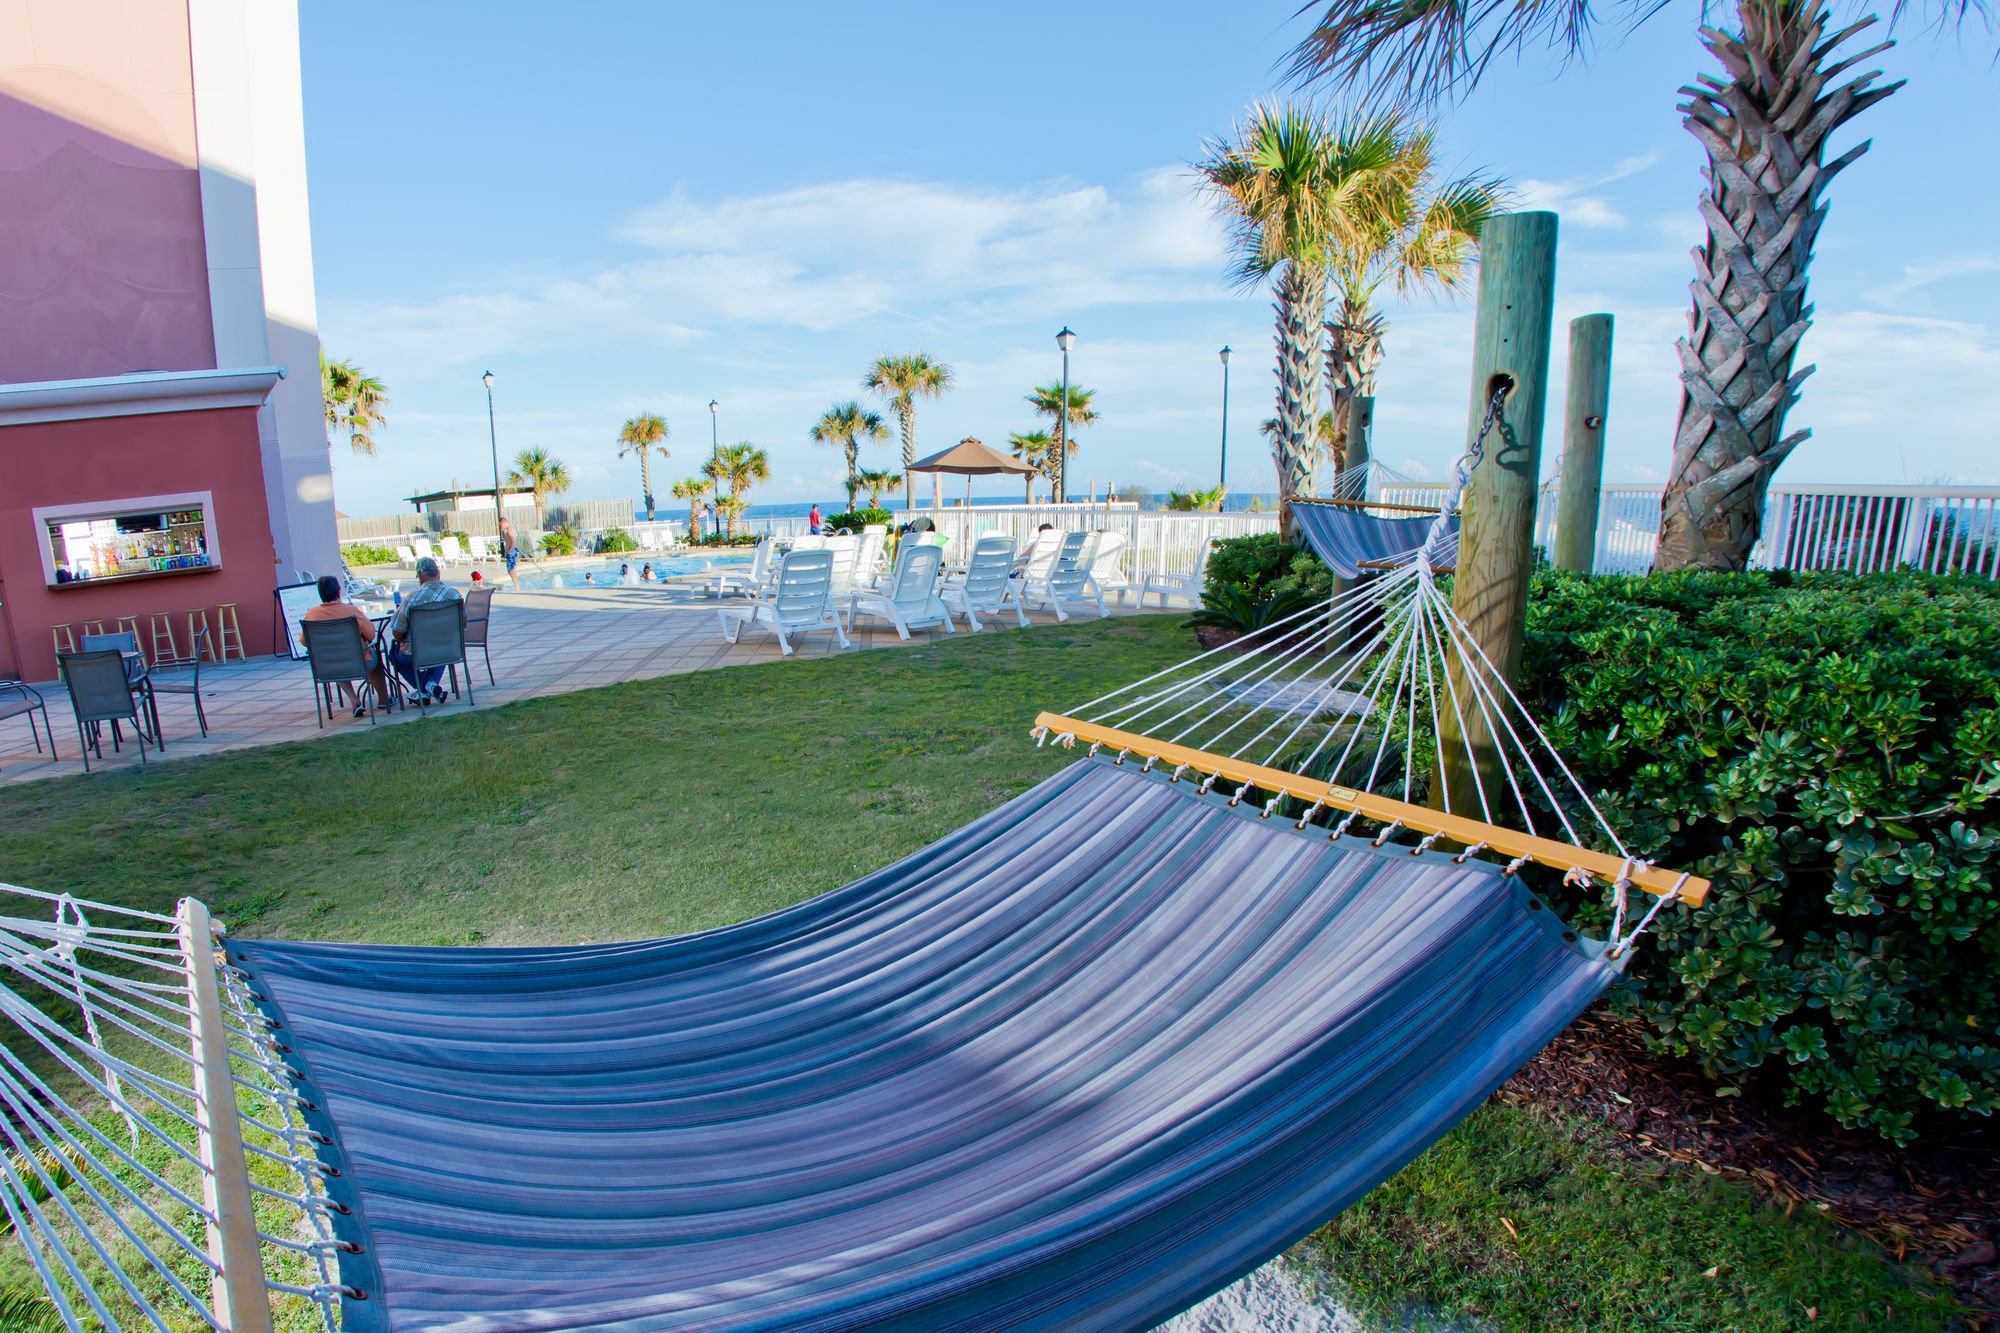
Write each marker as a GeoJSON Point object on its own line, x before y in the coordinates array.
{"type": "Point", "coordinates": [968, 458]}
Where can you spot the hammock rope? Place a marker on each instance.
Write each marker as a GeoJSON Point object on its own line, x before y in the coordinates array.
{"type": "Point", "coordinates": [1364, 704]}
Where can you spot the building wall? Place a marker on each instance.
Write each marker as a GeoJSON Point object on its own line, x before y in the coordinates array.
{"type": "Point", "coordinates": [91, 461]}
{"type": "Point", "coordinates": [102, 257]}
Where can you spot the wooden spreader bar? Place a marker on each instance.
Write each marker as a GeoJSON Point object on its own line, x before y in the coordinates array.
{"type": "Point", "coordinates": [1368, 504]}
{"type": "Point", "coordinates": [1423, 819]}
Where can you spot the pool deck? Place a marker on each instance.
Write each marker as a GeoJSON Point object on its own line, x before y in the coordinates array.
{"type": "Point", "coordinates": [543, 642]}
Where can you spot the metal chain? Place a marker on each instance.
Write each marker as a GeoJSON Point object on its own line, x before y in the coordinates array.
{"type": "Point", "coordinates": [1440, 533]}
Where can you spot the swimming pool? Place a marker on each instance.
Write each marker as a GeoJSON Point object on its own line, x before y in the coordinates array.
{"type": "Point", "coordinates": [605, 572]}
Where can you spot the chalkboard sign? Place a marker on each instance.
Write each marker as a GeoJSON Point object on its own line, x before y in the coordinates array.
{"type": "Point", "coordinates": [294, 600]}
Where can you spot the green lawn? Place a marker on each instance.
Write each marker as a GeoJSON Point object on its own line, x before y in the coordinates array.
{"type": "Point", "coordinates": [690, 801]}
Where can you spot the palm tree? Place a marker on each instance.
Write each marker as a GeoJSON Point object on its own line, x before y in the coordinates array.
{"type": "Point", "coordinates": [354, 402]}
{"type": "Point", "coordinates": [1422, 236]}
{"type": "Point", "coordinates": [847, 425]}
{"type": "Point", "coordinates": [743, 464]}
{"type": "Point", "coordinates": [1035, 449]}
{"type": "Point", "coordinates": [877, 482]}
{"type": "Point", "coordinates": [692, 490]}
{"type": "Point", "coordinates": [541, 472]}
{"type": "Point", "coordinates": [641, 435]}
{"type": "Point", "coordinates": [1295, 184]}
{"type": "Point", "coordinates": [1764, 127]}
{"type": "Point", "coordinates": [904, 379]}
{"type": "Point", "coordinates": [1048, 400]}
{"type": "Point", "coordinates": [731, 508]}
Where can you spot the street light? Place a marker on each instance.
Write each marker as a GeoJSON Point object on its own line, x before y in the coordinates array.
{"type": "Point", "coordinates": [714, 457]}
{"type": "Point", "coordinates": [1064, 340]}
{"type": "Point", "coordinates": [1222, 473]}
{"type": "Point", "coordinates": [493, 439]}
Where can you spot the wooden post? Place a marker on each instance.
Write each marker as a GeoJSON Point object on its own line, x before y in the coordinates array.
{"type": "Point", "coordinates": [1496, 552]}
{"type": "Point", "coordinates": [1588, 402]}
{"type": "Point", "coordinates": [241, 1302]}
{"type": "Point", "coordinates": [1360, 423]}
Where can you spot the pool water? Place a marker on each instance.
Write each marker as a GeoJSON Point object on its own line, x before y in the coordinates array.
{"type": "Point", "coordinates": [605, 572]}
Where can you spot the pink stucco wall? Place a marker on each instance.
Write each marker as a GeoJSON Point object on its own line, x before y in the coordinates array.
{"type": "Point", "coordinates": [103, 267]}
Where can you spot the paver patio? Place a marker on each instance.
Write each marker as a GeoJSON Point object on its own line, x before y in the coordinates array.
{"type": "Point", "coordinates": [542, 643]}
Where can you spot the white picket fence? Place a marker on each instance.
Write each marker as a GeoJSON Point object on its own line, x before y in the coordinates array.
{"type": "Point", "coordinates": [1859, 529]}
{"type": "Point", "coordinates": [1155, 543]}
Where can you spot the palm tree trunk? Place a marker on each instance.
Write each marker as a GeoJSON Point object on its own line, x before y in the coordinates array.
{"type": "Point", "coordinates": [906, 421]}
{"type": "Point", "coordinates": [853, 462]}
{"type": "Point", "coordinates": [1353, 358]}
{"type": "Point", "coordinates": [646, 484]}
{"type": "Point", "coordinates": [1765, 130]}
{"type": "Point", "coordinates": [1301, 300]}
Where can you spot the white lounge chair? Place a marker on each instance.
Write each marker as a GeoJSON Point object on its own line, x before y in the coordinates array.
{"type": "Point", "coordinates": [1041, 555]}
{"type": "Point", "coordinates": [846, 552]}
{"type": "Point", "coordinates": [988, 586]}
{"type": "Point", "coordinates": [1187, 587]}
{"type": "Point", "coordinates": [476, 548]}
{"type": "Point", "coordinates": [909, 597]}
{"type": "Point", "coordinates": [749, 582]}
{"type": "Point", "coordinates": [798, 602]}
{"type": "Point", "coordinates": [424, 549]}
{"type": "Point", "coordinates": [406, 557]}
{"type": "Point", "coordinates": [1067, 581]}
{"type": "Point", "coordinates": [871, 564]}
{"type": "Point", "coordinates": [450, 552]}
{"type": "Point", "coordinates": [1107, 566]}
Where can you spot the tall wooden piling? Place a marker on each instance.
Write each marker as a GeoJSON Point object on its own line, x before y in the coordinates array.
{"type": "Point", "coordinates": [1588, 403]}
{"type": "Point", "coordinates": [1496, 553]}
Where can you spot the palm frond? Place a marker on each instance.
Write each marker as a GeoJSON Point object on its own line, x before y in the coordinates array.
{"type": "Point", "coordinates": [1423, 50]}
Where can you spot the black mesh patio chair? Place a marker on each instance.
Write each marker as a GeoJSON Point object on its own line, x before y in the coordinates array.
{"type": "Point", "coordinates": [17, 699]}
{"type": "Point", "coordinates": [337, 656]}
{"type": "Point", "coordinates": [100, 692]}
{"type": "Point", "coordinates": [126, 644]}
{"type": "Point", "coordinates": [478, 620]}
{"type": "Point", "coordinates": [437, 639]}
{"type": "Point", "coordinates": [190, 687]}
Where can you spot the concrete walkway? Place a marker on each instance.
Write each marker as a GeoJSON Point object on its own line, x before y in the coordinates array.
{"type": "Point", "coordinates": [542, 643]}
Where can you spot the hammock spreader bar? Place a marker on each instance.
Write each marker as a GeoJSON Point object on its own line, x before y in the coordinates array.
{"type": "Point", "coordinates": [1511, 842]}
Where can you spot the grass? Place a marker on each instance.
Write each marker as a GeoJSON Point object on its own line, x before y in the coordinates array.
{"type": "Point", "coordinates": [689, 801]}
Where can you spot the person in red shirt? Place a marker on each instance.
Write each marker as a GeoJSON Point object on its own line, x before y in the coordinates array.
{"type": "Point", "coordinates": [813, 521]}
{"type": "Point", "coordinates": [332, 608]}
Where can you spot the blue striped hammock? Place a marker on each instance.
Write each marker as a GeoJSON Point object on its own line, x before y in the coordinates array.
{"type": "Point", "coordinates": [1351, 541]}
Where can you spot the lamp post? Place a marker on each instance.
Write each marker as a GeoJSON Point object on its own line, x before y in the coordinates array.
{"type": "Point", "coordinates": [493, 439]}
{"type": "Point", "coordinates": [714, 457]}
{"type": "Point", "coordinates": [1064, 340]}
{"type": "Point", "coordinates": [1222, 472]}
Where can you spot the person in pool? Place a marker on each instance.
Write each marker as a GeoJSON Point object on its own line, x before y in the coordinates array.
{"type": "Point", "coordinates": [589, 577]}
{"type": "Point", "coordinates": [623, 570]}
{"type": "Point", "coordinates": [646, 573]}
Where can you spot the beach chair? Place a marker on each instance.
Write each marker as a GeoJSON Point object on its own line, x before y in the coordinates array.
{"type": "Point", "coordinates": [1040, 556]}
{"type": "Point", "coordinates": [798, 602]}
{"type": "Point", "coordinates": [1068, 579]}
{"type": "Point", "coordinates": [424, 548]}
{"type": "Point", "coordinates": [871, 564]}
{"type": "Point", "coordinates": [747, 582]}
{"type": "Point", "coordinates": [908, 598]}
{"type": "Point", "coordinates": [1107, 566]}
{"type": "Point", "coordinates": [988, 586]}
{"type": "Point", "coordinates": [406, 557]}
{"type": "Point", "coordinates": [846, 552]}
{"type": "Point", "coordinates": [451, 552]}
{"type": "Point", "coordinates": [476, 548]}
{"type": "Point", "coordinates": [1187, 587]}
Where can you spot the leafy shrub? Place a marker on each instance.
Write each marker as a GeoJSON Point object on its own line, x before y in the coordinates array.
{"type": "Point", "coordinates": [358, 554]}
{"type": "Point", "coordinates": [1826, 749]}
{"type": "Point", "coordinates": [856, 519]}
{"type": "Point", "coordinates": [561, 541]}
{"type": "Point", "coordinates": [1263, 563]}
{"type": "Point", "coordinates": [1195, 499]}
{"type": "Point", "coordinates": [1241, 609]}
{"type": "Point", "coordinates": [724, 539]}
{"type": "Point", "coordinates": [613, 540]}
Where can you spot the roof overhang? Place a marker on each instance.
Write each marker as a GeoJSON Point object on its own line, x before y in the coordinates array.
{"type": "Point", "coordinates": [142, 393]}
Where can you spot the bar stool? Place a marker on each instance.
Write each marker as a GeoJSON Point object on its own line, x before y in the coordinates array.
{"type": "Point", "coordinates": [163, 638]}
{"type": "Point", "coordinates": [130, 625]}
{"type": "Point", "coordinates": [93, 627]}
{"type": "Point", "coordinates": [65, 638]}
{"type": "Point", "coordinates": [229, 632]}
{"type": "Point", "coordinates": [199, 639]}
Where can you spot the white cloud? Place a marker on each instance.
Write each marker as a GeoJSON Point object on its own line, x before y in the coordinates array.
{"type": "Point", "coordinates": [1573, 198]}
{"type": "Point", "coordinates": [1918, 276]}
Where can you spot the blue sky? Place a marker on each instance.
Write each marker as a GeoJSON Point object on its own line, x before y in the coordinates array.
{"type": "Point", "coordinates": [627, 207]}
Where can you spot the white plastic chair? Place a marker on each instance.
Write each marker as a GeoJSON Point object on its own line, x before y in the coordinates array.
{"type": "Point", "coordinates": [406, 557]}
{"type": "Point", "coordinates": [798, 602]}
{"type": "Point", "coordinates": [846, 552]}
{"type": "Point", "coordinates": [871, 565]}
{"type": "Point", "coordinates": [450, 553]}
{"type": "Point", "coordinates": [476, 548]}
{"type": "Point", "coordinates": [909, 598]}
{"type": "Point", "coordinates": [988, 585]}
{"type": "Point", "coordinates": [750, 582]}
{"type": "Point", "coordinates": [1187, 587]}
{"type": "Point", "coordinates": [1067, 581]}
{"type": "Point", "coordinates": [1107, 566]}
{"type": "Point", "coordinates": [424, 549]}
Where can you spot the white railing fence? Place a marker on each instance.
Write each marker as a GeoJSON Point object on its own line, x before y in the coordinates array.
{"type": "Point", "coordinates": [1155, 543]}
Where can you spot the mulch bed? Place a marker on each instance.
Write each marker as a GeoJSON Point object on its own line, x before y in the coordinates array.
{"type": "Point", "coordinates": [1934, 1203]}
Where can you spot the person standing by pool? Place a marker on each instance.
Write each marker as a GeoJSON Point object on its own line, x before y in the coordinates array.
{"type": "Point", "coordinates": [510, 550]}
{"type": "Point", "coordinates": [813, 521]}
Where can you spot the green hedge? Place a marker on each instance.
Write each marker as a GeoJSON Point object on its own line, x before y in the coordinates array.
{"type": "Point", "coordinates": [358, 554]}
{"type": "Point", "coordinates": [1824, 748]}
{"type": "Point", "coordinates": [856, 519]}
{"type": "Point", "coordinates": [1262, 565]}
{"type": "Point", "coordinates": [613, 540]}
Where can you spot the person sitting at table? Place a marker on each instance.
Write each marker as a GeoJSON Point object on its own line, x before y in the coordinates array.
{"type": "Point", "coordinates": [431, 587]}
{"type": "Point", "coordinates": [332, 608]}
